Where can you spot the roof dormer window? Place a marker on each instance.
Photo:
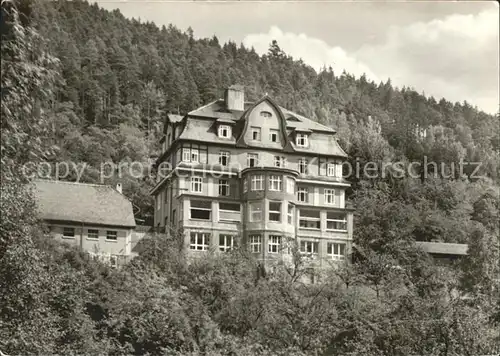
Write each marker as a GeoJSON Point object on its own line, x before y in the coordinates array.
{"type": "Point", "coordinates": [224, 131]}
{"type": "Point", "coordinates": [256, 133]}
{"type": "Point", "coordinates": [301, 140]}
{"type": "Point", "coordinates": [265, 114]}
{"type": "Point", "coordinates": [274, 135]}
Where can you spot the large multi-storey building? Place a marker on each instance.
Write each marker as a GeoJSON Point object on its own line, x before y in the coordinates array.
{"type": "Point", "coordinates": [254, 174]}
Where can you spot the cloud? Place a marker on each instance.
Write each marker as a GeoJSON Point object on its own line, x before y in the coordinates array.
{"type": "Point", "coordinates": [313, 51]}
{"type": "Point", "coordinates": [455, 57]}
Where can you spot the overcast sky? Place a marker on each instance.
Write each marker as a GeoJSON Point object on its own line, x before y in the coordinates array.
{"type": "Point", "coordinates": [445, 49]}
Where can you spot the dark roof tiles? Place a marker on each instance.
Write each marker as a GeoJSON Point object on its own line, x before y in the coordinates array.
{"type": "Point", "coordinates": [213, 110]}
{"type": "Point", "coordinates": [203, 130]}
{"type": "Point", "coordinates": [83, 203]}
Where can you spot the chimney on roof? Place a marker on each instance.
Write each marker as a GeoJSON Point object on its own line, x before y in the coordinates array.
{"type": "Point", "coordinates": [234, 97]}
{"type": "Point", "coordinates": [119, 188]}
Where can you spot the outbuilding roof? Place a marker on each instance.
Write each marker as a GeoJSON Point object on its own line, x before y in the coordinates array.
{"type": "Point", "coordinates": [443, 248]}
{"type": "Point", "coordinates": [91, 204]}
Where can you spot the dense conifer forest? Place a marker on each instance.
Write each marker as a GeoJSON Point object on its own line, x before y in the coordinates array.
{"type": "Point", "coordinates": [88, 86]}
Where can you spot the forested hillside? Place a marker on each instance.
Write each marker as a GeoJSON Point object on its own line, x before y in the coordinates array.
{"type": "Point", "coordinates": [118, 77]}
{"type": "Point", "coordinates": [84, 85]}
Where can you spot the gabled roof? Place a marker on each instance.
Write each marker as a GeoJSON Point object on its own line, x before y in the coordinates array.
{"type": "Point", "coordinates": [301, 122]}
{"type": "Point", "coordinates": [217, 109]}
{"type": "Point", "coordinates": [321, 144]}
{"type": "Point", "coordinates": [91, 204]}
{"type": "Point", "coordinates": [199, 128]}
{"type": "Point", "coordinates": [203, 130]}
{"type": "Point", "coordinates": [281, 119]}
{"type": "Point", "coordinates": [443, 248]}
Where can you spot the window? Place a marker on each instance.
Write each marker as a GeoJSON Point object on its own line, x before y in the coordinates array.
{"type": "Point", "coordinates": [274, 135]}
{"type": "Point", "coordinates": [279, 161]}
{"type": "Point", "coordinates": [168, 139]}
{"type": "Point", "coordinates": [309, 219]}
{"type": "Point", "coordinates": [113, 261]}
{"type": "Point", "coordinates": [252, 159]}
{"type": "Point", "coordinates": [303, 195]}
{"type": "Point", "coordinates": [195, 155]}
{"type": "Point", "coordinates": [229, 211]}
{"type": "Point", "coordinates": [275, 183]}
{"type": "Point", "coordinates": [258, 182]}
{"type": "Point", "coordinates": [174, 217]}
{"type": "Point", "coordinates": [69, 232]}
{"type": "Point", "coordinates": [93, 234]}
{"type": "Point", "coordinates": [201, 209]}
{"type": "Point", "coordinates": [290, 185]}
{"type": "Point", "coordinates": [330, 196]}
{"type": "Point", "coordinates": [274, 243]}
{"type": "Point", "coordinates": [196, 184]}
{"type": "Point", "coordinates": [330, 169]}
{"type": "Point", "coordinates": [336, 221]}
{"type": "Point", "coordinates": [290, 214]}
{"type": "Point", "coordinates": [309, 247]}
{"type": "Point", "coordinates": [111, 235]}
{"type": "Point", "coordinates": [336, 251]}
{"type": "Point", "coordinates": [186, 154]}
{"type": "Point", "coordinates": [303, 166]}
{"type": "Point", "coordinates": [226, 242]}
{"type": "Point", "coordinates": [245, 185]}
{"type": "Point", "coordinates": [225, 131]}
{"type": "Point", "coordinates": [224, 158]}
{"type": "Point", "coordinates": [301, 140]}
{"type": "Point", "coordinates": [255, 212]}
{"type": "Point", "coordinates": [256, 133]}
{"type": "Point", "coordinates": [199, 241]}
{"type": "Point", "coordinates": [275, 211]}
{"type": "Point", "coordinates": [265, 114]}
{"type": "Point", "coordinates": [223, 187]}
{"type": "Point", "coordinates": [255, 243]}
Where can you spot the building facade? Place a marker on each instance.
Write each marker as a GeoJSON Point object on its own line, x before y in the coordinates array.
{"type": "Point", "coordinates": [253, 174]}
{"type": "Point", "coordinates": [96, 218]}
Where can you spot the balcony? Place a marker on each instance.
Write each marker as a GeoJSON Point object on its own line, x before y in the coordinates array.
{"type": "Point", "coordinates": [229, 212]}
{"type": "Point", "coordinates": [336, 222]}
{"type": "Point", "coordinates": [324, 224]}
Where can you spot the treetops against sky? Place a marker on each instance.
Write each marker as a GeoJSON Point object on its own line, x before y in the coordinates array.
{"type": "Point", "coordinates": [425, 45]}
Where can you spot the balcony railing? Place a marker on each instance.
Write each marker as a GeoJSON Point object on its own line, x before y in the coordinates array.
{"type": "Point", "coordinates": [229, 215]}
{"type": "Point", "coordinates": [336, 225]}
